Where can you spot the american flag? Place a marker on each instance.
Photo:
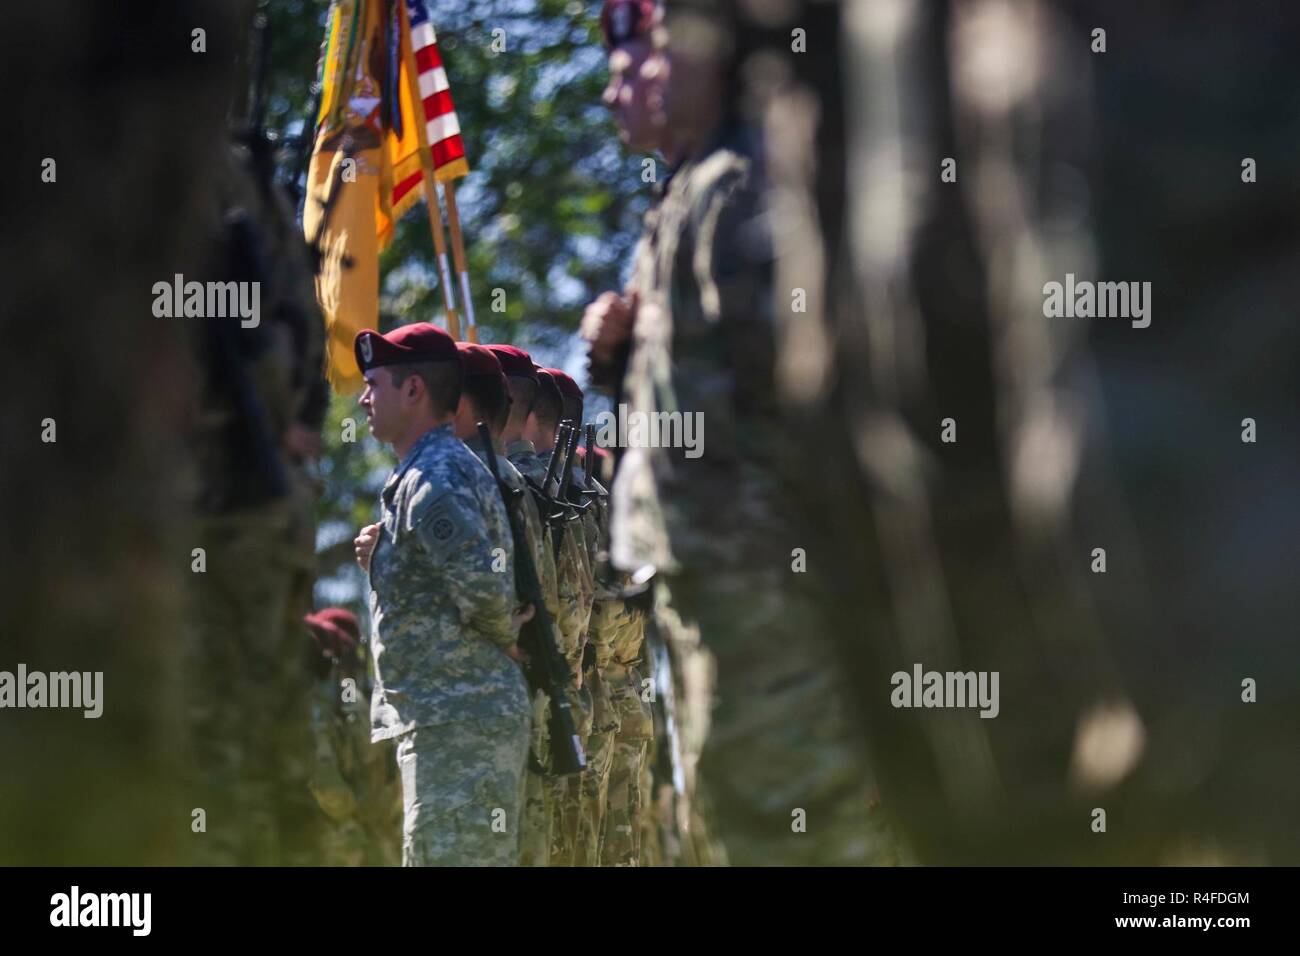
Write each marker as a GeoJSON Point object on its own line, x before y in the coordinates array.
{"type": "Point", "coordinates": [441, 124]}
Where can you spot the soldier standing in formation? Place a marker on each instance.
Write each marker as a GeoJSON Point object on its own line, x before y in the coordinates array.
{"type": "Point", "coordinates": [577, 595]}
{"type": "Point", "coordinates": [593, 785]}
{"type": "Point", "coordinates": [486, 398]}
{"type": "Point", "coordinates": [449, 687]}
{"type": "Point", "coordinates": [545, 794]}
{"type": "Point", "coordinates": [622, 720]}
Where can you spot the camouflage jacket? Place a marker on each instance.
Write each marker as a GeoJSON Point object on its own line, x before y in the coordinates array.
{"type": "Point", "coordinates": [440, 609]}
{"type": "Point", "coordinates": [702, 347]}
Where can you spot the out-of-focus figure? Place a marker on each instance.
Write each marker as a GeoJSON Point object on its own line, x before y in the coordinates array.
{"type": "Point", "coordinates": [354, 781]}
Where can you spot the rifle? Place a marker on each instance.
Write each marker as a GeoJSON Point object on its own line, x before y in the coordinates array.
{"type": "Point", "coordinates": [556, 508]}
{"type": "Point", "coordinates": [669, 766]}
{"type": "Point", "coordinates": [557, 459]}
{"type": "Point", "coordinates": [593, 494]}
{"type": "Point", "coordinates": [553, 677]}
{"type": "Point", "coordinates": [570, 495]}
{"type": "Point", "coordinates": [571, 454]}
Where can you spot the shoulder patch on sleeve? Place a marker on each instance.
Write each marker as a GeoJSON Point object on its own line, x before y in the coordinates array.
{"type": "Point", "coordinates": [444, 523]}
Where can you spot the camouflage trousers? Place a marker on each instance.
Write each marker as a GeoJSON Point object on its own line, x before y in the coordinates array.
{"type": "Point", "coordinates": [344, 844]}
{"type": "Point", "coordinates": [621, 842]}
{"type": "Point", "coordinates": [679, 828]}
{"type": "Point", "coordinates": [649, 838]}
{"type": "Point", "coordinates": [593, 784]}
{"type": "Point", "coordinates": [382, 812]}
{"type": "Point", "coordinates": [367, 838]}
{"type": "Point", "coordinates": [565, 793]}
{"type": "Point", "coordinates": [352, 843]}
{"type": "Point", "coordinates": [590, 791]}
{"type": "Point", "coordinates": [539, 793]}
{"type": "Point", "coordinates": [463, 792]}
{"type": "Point", "coordinates": [787, 779]}
{"type": "Point", "coordinates": [248, 694]}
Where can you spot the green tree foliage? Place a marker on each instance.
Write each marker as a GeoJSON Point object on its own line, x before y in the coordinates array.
{"type": "Point", "coordinates": [551, 206]}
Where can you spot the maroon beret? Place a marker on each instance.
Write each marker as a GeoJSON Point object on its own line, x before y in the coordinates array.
{"type": "Point", "coordinates": [568, 387]}
{"type": "Point", "coordinates": [417, 342]}
{"type": "Point", "coordinates": [623, 20]}
{"type": "Point", "coordinates": [515, 362]}
{"type": "Point", "coordinates": [335, 631]}
{"type": "Point", "coordinates": [479, 360]}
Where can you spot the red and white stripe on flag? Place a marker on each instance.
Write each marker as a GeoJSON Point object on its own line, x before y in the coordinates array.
{"type": "Point", "coordinates": [426, 108]}
{"type": "Point", "coordinates": [443, 127]}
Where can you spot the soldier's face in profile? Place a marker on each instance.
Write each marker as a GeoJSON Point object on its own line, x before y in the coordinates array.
{"type": "Point", "coordinates": [382, 401]}
{"type": "Point", "coordinates": [635, 94]}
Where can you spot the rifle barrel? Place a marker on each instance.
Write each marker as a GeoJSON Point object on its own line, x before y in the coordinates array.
{"type": "Point", "coordinates": [561, 439]}
{"type": "Point", "coordinates": [567, 475]}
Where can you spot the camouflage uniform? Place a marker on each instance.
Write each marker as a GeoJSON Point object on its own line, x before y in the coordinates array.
{"type": "Point", "coordinates": [606, 618]}
{"type": "Point", "coordinates": [458, 706]}
{"type": "Point", "coordinates": [247, 694]}
{"type": "Point", "coordinates": [301, 832]}
{"type": "Point", "coordinates": [353, 780]}
{"type": "Point", "coordinates": [576, 840]}
{"type": "Point", "coordinates": [539, 791]}
{"type": "Point", "coordinates": [622, 672]}
{"type": "Point", "coordinates": [702, 342]}
{"type": "Point", "coordinates": [576, 591]}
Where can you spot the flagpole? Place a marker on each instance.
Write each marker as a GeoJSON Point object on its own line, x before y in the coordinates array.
{"type": "Point", "coordinates": [458, 254]}
{"type": "Point", "coordinates": [430, 186]}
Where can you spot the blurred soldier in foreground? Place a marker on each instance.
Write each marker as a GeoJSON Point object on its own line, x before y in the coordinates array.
{"type": "Point", "coordinates": [1065, 501]}
{"type": "Point", "coordinates": [787, 777]}
{"type": "Point", "coordinates": [98, 518]}
{"type": "Point", "coordinates": [255, 435]}
{"type": "Point", "coordinates": [353, 780]}
{"type": "Point", "coordinates": [448, 685]}
{"type": "Point", "coordinates": [672, 826]}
